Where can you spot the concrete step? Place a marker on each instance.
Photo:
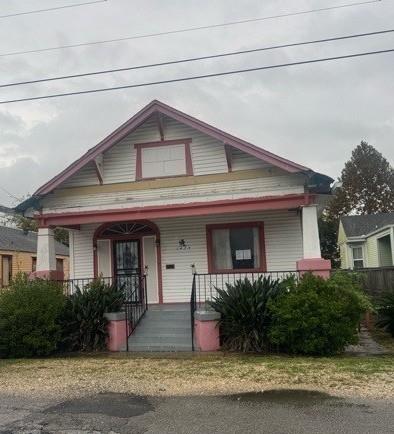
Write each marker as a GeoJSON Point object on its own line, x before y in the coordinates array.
{"type": "Point", "coordinates": [149, 333]}
{"type": "Point", "coordinates": [168, 315]}
{"type": "Point", "coordinates": [170, 340]}
{"type": "Point", "coordinates": [157, 347]}
{"type": "Point", "coordinates": [163, 328]}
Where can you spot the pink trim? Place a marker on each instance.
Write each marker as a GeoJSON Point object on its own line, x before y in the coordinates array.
{"type": "Point", "coordinates": [317, 266]}
{"type": "Point", "coordinates": [229, 157]}
{"type": "Point", "coordinates": [158, 107]}
{"type": "Point", "coordinates": [98, 174]}
{"type": "Point", "coordinates": [160, 126]}
{"type": "Point", "coordinates": [177, 210]}
{"type": "Point", "coordinates": [188, 158]}
{"type": "Point", "coordinates": [211, 265]}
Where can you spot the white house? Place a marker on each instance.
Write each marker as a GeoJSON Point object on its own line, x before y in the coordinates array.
{"type": "Point", "coordinates": [166, 191]}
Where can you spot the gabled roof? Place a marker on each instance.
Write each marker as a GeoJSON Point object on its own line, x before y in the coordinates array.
{"type": "Point", "coordinates": [17, 240]}
{"type": "Point", "coordinates": [159, 107]}
{"type": "Point", "coordinates": [359, 225]}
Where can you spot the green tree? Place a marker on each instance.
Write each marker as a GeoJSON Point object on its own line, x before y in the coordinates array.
{"type": "Point", "coordinates": [366, 187]}
{"type": "Point", "coordinates": [367, 184]}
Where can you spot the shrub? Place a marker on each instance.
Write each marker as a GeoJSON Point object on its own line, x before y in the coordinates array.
{"type": "Point", "coordinates": [316, 316]}
{"type": "Point", "coordinates": [83, 321]}
{"type": "Point", "coordinates": [29, 313]}
{"type": "Point", "coordinates": [385, 311]}
{"type": "Point", "coordinates": [245, 317]}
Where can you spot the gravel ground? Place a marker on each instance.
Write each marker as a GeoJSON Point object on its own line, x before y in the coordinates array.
{"type": "Point", "coordinates": [188, 374]}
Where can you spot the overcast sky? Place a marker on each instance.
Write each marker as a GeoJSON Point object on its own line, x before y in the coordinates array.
{"type": "Point", "coordinates": [312, 114]}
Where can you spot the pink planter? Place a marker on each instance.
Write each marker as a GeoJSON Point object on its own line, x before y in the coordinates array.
{"type": "Point", "coordinates": [206, 330]}
{"type": "Point", "coordinates": [116, 331]}
{"type": "Point", "coordinates": [318, 266]}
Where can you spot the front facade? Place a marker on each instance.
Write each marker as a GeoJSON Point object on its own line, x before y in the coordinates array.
{"type": "Point", "coordinates": [18, 254]}
{"type": "Point", "coordinates": [366, 241]}
{"type": "Point", "coordinates": [167, 195]}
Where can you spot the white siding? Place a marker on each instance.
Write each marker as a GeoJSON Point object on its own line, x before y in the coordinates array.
{"type": "Point", "coordinates": [85, 176]}
{"type": "Point", "coordinates": [283, 245]}
{"type": "Point", "coordinates": [83, 252]}
{"type": "Point", "coordinates": [120, 160]}
{"type": "Point", "coordinates": [265, 186]}
{"type": "Point", "coordinates": [283, 242]}
{"type": "Point", "coordinates": [243, 161]}
{"type": "Point", "coordinates": [208, 155]}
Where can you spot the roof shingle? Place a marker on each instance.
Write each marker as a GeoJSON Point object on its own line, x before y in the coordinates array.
{"type": "Point", "coordinates": [358, 225]}
{"type": "Point", "coordinates": [18, 240]}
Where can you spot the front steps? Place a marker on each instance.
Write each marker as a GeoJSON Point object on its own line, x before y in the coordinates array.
{"type": "Point", "coordinates": [163, 328]}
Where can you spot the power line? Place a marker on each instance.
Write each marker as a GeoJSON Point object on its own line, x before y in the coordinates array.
{"type": "Point", "coordinates": [37, 11]}
{"type": "Point", "coordinates": [194, 59]}
{"type": "Point", "coordinates": [196, 77]}
{"type": "Point", "coordinates": [190, 29]}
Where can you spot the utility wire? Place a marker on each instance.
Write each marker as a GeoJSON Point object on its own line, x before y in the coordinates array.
{"type": "Point", "coordinates": [197, 77]}
{"type": "Point", "coordinates": [37, 11]}
{"type": "Point", "coordinates": [191, 29]}
{"type": "Point", "coordinates": [194, 59]}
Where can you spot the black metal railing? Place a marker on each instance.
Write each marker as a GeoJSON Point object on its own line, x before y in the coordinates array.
{"type": "Point", "coordinates": [206, 284]}
{"type": "Point", "coordinates": [136, 305]}
{"type": "Point", "coordinates": [193, 307]}
{"type": "Point", "coordinates": [126, 282]}
{"type": "Point", "coordinates": [135, 295]}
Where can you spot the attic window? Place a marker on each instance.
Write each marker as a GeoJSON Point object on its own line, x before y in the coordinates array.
{"type": "Point", "coordinates": [163, 159]}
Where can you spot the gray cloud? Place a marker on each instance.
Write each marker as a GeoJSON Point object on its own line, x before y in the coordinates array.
{"type": "Point", "coordinates": [312, 114]}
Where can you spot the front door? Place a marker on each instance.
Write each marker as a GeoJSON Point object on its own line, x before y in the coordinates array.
{"type": "Point", "coordinates": [127, 267]}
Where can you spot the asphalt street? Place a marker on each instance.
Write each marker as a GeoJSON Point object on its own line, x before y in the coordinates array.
{"type": "Point", "coordinates": [275, 411]}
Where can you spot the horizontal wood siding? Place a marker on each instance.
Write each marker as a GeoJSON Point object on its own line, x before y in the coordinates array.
{"type": "Point", "coordinates": [371, 255]}
{"type": "Point", "coordinates": [120, 160]}
{"type": "Point", "coordinates": [266, 186]}
{"type": "Point", "coordinates": [22, 262]}
{"type": "Point", "coordinates": [242, 161]}
{"type": "Point", "coordinates": [82, 246]}
{"type": "Point", "coordinates": [283, 241]}
{"type": "Point", "coordinates": [85, 176]}
{"type": "Point", "coordinates": [208, 154]}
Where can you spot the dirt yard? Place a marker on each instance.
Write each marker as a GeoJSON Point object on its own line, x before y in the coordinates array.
{"type": "Point", "coordinates": [196, 374]}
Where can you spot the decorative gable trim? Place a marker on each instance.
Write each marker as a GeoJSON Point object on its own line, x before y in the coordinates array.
{"type": "Point", "coordinates": [160, 108]}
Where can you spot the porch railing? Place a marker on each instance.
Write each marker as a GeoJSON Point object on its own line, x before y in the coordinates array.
{"type": "Point", "coordinates": [135, 295]}
{"type": "Point", "coordinates": [205, 285]}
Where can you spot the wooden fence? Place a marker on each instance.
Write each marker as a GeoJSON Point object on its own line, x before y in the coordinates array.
{"type": "Point", "coordinates": [376, 280]}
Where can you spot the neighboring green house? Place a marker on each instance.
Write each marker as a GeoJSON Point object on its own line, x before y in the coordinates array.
{"type": "Point", "coordinates": [366, 241]}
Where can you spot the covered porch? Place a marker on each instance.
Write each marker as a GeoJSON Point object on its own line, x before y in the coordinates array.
{"type": "Point", "coordinates": [169, 243]}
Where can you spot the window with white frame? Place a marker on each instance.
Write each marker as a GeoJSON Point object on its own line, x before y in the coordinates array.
{"type": "Point", "coordinates": [162, 161]}
{"type": "Point", "coordinates": [358, 257]}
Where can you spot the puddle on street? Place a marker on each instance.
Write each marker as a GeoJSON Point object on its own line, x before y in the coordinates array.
{"type": "Point", "coordinates": [290, 397]}
{"type": "Point", "coordinates": [109, 404]}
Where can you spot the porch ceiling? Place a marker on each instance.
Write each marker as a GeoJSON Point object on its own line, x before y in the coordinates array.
{"type": "Point", "coordinates": [179, 210]}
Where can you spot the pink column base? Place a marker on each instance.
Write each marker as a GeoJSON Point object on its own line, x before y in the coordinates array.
{"type": "Point", "coordinates": [206, 333]}
{"type": "Point", "coordinates": [47, 274]}
{"type": "Point", "coordinates": [116, 328]}
{"type": "Point", "coordinates": [317, 266]}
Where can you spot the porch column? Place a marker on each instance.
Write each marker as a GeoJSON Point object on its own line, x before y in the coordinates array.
{"type": "Point", "coordinates": [312, 260]}
{"type": "Point", "coordinates": [46, 255]}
